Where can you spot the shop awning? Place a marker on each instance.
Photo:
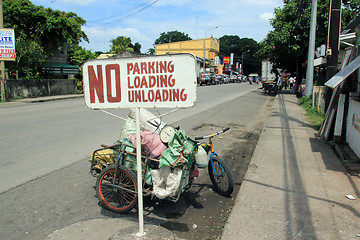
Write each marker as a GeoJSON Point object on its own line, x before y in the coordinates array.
{"type": "Point", "coordinates": [344, 73]}
{"type": "Point", "coordinates": [60, 68]}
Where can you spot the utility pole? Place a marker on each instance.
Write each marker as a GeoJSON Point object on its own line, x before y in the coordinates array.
{"type": "Point", "coordinates": [333, 38]}
{"type": "Point", "coordinates": [333, 43]}
{"type": "Point", "coordinates": [310, 65]}
{"type": "Point", "coordinates": [2, 63]}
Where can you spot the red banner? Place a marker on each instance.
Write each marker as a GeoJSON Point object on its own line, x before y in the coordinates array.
{"type": "Point", "coordinates": [226, 60]}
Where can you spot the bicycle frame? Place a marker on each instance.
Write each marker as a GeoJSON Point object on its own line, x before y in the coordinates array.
{"type": "Point", "coordinates": [209, 147]}
{"type": "Point", "coordinates": [212, 150]}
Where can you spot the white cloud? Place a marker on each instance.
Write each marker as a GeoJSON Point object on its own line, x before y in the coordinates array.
{"type": "Point", "coordinates": [78, 2]}
{"type": "Point", "coordinates": [100, 37]}
{"type": "Point", "coordinates": [266, 16]}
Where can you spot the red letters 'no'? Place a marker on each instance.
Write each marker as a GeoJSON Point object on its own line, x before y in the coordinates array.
{"type": "Point", "coordinates": [96, 83]}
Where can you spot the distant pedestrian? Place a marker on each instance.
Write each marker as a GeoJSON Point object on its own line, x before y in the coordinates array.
{"type": "Point", "coordinates": [279, 84]}
{"type": "Point", "coordinates": [291, 83]}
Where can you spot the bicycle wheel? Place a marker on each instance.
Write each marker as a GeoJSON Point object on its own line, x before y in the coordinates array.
{"type": "Point", "coordinates": [221, 177]}
{"type": "Point", "coordinates": [117, 193]}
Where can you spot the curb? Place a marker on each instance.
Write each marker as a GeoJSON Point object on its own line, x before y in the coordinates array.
{"type": "Point", "coordinates": [348, 158]}
{"type": "Point", "coordinates": [49, 98]}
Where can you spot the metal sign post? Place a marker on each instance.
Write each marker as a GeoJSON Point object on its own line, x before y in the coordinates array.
{"type": "Point", "coordinates": [139, 171]}
{"type": "Point", "coordinates": [165, 81]}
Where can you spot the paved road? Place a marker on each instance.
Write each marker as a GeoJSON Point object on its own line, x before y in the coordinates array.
{"type": "Point", "coordinates": [67, 196]}
{"type": "Point", "coordinates": [39, 138]}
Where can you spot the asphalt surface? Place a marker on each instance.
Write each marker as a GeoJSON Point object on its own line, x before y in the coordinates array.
{"type": "Point", "coordinates": [295, 188]}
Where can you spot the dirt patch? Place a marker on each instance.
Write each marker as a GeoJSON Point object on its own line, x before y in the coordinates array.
{"type": "Point", "coordinates": [202, 213]}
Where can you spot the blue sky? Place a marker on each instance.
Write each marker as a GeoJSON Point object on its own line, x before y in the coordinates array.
{"type": "Point", "coordinates": [144, 20]}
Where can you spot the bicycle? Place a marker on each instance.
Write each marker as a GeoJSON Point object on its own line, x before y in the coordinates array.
{"type": "Point", "coordinates": [116, 184]}
{"type": "Point", "coordinates": [219, 172]}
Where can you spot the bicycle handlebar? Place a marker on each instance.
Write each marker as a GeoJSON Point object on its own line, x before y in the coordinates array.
{"type": "Point", "coordinates": [212, 135]}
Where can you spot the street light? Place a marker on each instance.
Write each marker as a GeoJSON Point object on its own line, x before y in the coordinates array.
{"type": "Point", "coordinates": [242, 61]}
{"type": "Point", "coordinates": [204, 45]}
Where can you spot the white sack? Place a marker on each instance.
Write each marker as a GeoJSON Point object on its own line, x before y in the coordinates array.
{"type": "Point", "coordinates": [149, 122]}
{"type": "Point", "coordinates": [165, 181]}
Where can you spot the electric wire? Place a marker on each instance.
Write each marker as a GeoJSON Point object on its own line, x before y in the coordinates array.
{"type": "Point", "coordinates": [129, 15]}
{"type": "Point", "coordinates": [131, 9]}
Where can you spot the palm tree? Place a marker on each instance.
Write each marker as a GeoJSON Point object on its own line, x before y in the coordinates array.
{"type": "Point", "coordinates": [120, 44]}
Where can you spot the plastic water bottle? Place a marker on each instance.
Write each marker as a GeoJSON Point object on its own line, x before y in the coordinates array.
{"type": "Point", "coordinates": [201, 158]}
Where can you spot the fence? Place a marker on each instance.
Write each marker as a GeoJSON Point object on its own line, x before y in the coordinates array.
{"type": "Point", "coordinates": [31, 88]}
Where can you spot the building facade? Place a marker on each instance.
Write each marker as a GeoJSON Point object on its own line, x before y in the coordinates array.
{"type": "Point", "coordinates": [208, 48]}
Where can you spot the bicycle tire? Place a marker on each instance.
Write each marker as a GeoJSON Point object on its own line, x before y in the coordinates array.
{"type": "Point", "coordinates": [222, 180]}
{"type": "Point", "coordinates": [122, 198]}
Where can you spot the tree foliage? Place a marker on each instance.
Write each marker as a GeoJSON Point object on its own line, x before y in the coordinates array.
{"type": "Point", "coordinates": [350, 10]}
{"type": "Point", "coordinates": [241, 47]}
{"type": "Point", "coordinates": [39, 31]}
{"type": "Point", "coordinates": [172, 36]}
{"type": "Point", "coordinates": [121, 44]}
{"type": "Point", "coordinates": [287, 45]}
{"type": "Point", "coordinates": [79, 55]}
{"type": "Point", "coordinates": [151, 51]}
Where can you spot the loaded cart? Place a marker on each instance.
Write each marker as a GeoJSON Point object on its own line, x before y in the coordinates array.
{"type": "Point", "coordinates": [167, 170]}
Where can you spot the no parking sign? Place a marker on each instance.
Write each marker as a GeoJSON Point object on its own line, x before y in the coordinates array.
{"type": "Point", "coordinates": [166, 81]}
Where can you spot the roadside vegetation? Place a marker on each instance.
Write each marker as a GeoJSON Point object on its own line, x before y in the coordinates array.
{"type": "Point", "coordinates": [314, 116]}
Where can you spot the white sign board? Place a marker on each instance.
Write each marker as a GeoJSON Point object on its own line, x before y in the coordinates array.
{"type": "Point", "coordinates": [165, 81]}
{"type": "Point", "coordinates": [217, 61]}
{"type": "Point", "coordinates": [7, 44]}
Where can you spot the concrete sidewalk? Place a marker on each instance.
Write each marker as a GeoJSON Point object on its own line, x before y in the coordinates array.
{"type": "Point", "coordinates": [295, 186]}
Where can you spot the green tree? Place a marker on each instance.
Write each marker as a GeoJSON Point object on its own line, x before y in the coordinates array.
{"type": "Point", "coordinates": [239, 46]}
{"type": "Point", "coordinates": [136, 47]}
{"type": "Point", "coordinates": [350, 10]}
{"type": "Point", "coordinates": [287, 45]}
{"type": "Point", "coordinates": [151, 51]}
{"type": "Point", "coordinates": [39, 30]}
{"type": "Point", "coordinates": [121, 44]}
{"type": "Point", "coordinates": [172, 36]}
{"type": "Point", "coordinates": [79, 55]}
{"type": "Point", "coordinates": [28, 61]}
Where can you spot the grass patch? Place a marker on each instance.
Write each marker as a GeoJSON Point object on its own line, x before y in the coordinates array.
{"type": "Point", "coordinates": [314, 116]}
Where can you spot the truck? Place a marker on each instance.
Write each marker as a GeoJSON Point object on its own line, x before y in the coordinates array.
{"type": "Point", "coordinates": [268, 78]}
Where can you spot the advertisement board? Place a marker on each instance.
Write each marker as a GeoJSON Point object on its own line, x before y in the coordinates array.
{"type": "Point", "coordinates": [7, 44]}
{"type": "Point", "coordinates": [217, 61]}
{"type": "Point", "coordinates": [165, 81]}
{"type": "Point", "coordinates": [226, 60]}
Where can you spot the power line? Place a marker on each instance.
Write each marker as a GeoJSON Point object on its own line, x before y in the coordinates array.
{"type": "Point", "coordinates": [131, 9]}
{"type": "Point", "coordinates": [131, 14]}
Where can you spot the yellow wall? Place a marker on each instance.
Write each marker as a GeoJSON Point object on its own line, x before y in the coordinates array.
{"type": "Point", "coordinates": [195, 47]}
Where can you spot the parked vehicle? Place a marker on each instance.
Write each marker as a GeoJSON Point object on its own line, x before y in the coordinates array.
{"type": "Point", "coordinates": [205, 79]}
{"type": "Point", "coordinates": [233, 78]}
{"type": "Point", "coordinates": [219, 79]}
{"type": "Point", "coordinates": [268, 77]}
{"type": "Point", "coordinates": [226, 78]}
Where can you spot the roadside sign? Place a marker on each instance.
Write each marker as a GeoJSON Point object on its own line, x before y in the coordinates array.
{"type": "Point", "coordinates": [232, 58]}
{"type": "Point", "coordinates": [217, 61]}
{"type": "Point", "coordinates": [7, 44]}
{"type": "Point", "coordinates": [164, 81]}
{"type": "Point", "coordinates": [226, 60]}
